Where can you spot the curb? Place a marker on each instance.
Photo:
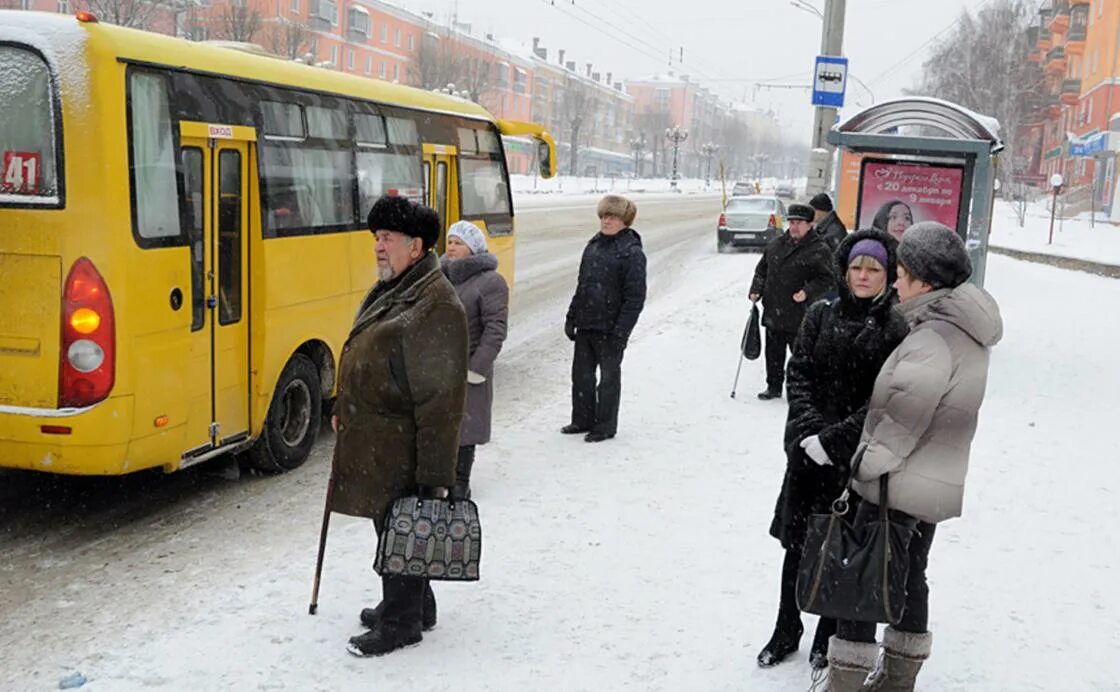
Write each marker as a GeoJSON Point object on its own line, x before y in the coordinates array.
{"type": "Point", "coordinates": [1111, 271]}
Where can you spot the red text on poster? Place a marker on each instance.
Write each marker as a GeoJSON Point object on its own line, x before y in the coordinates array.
{"type": "Point", "coordinates": [930, 192]}
{"type": "Point", "coordinates": [21, 172]}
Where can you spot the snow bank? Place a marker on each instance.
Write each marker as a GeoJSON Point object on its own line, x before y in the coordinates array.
{"type": "Point", "coordinates": [1074, 238]}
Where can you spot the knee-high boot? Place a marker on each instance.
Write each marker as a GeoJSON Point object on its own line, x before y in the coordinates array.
{"type": "Point", "coordinates": [903, 655]}
{"type": "Point", "coordinates": [463, 467]}
{"type": "Point", "coordinates": [849, 664]}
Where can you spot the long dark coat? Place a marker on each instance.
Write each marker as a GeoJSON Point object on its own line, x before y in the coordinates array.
{"type": "Point", "coordinates": [611, 290]}
{"type": "Point", "coordinates": [485, 297]}
{"type": "Point", "coordinates": [841, 346]}
{"type": "Point", "coordinates": [402, 383]}
{"type": "Point", "coordinates": [832, 229]}
{"type": "Point", "coordinates": [788, 266]}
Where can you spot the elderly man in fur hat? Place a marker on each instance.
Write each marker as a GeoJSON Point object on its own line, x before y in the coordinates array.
{"type": "Point", "coordinates": [795, 270]}
{"type": "Point", "coordinates": [402, 384]}
{"type": "Point", "coordinates": [609, 297]}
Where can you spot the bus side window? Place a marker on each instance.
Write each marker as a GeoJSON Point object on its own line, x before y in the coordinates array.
{"type": "Point", "coordinates": [229, 236]}
{"type": "Point", "coordinates": [193, 183]}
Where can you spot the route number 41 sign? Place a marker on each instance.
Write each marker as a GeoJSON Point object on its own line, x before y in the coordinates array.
{"type": "Point", "coordinates": [22, 171]}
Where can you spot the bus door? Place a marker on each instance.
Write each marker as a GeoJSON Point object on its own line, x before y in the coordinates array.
{"type": "Point", "coordinates": [441, 193]}
{"type": "Point", "coordinates": [219, 158]}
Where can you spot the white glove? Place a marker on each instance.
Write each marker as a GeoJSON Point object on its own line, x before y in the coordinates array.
{"type": "Point", "coordinates": [475, 378]}
{"type": "Point", "coordinates": [815, 450]}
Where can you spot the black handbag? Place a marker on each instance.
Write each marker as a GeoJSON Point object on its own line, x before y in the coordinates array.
{"type": "Point", "coordinates": [752, 336]}
{"type": "Point", "coordinates": [431, 538]}
{"type": "Point", "coordinates": [855, 571]}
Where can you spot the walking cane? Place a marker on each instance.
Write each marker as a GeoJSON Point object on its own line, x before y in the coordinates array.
{"type": "Point", "coordinates": [742, 355]}
{"type": "Point", "coordinates": [737, 371]}
{"type": "Point", "coordinates": [322, 550]}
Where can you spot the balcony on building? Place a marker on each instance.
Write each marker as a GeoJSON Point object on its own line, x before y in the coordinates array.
{"type": "Point", "coordinates": [1045, 39]}
{"type": "Point", "coordinates": [1078, 28]}
{"type": "Point", "coordinates": [1053, 105]}
{"type": "Point", "coordinates": [1071, 91]}
{"type": "Point", "coordinates": [1059, 16]}
{"type": "Point", "coordinates": [1056, 60]}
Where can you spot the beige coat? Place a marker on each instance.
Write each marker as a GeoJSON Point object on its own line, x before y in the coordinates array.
{"type": "Point", "coordinates": [923, 410]}
{"type": "Point", "coordinates": [401, 389]}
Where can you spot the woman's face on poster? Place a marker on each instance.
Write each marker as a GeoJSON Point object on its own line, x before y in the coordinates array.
{"type": "Point", "coordinates": [899, 220]}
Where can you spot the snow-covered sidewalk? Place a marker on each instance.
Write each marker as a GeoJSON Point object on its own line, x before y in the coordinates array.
{"type": "Point", "coordinates": [644, 562]}
{"type": "Point", "coordinates": [1074, 238]}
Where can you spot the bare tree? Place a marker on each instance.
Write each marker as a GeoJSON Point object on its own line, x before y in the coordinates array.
{"type": "Point", "coordinates": [983, 65]}
{"type": "Point", "coordinates": [475, 76]}
{"type": "Point", "coordinates": [287, 38]}
{"type": "Point", "coordinates": [236, 22]}
{"type": "Point", "coordinates": [578, 109]}
{"type": "Point", "coordinates": [654, 122]}
{"type": "Point", "coordinates": [436, 64]}
{"type": "Point", "coordinates": [136, 14]}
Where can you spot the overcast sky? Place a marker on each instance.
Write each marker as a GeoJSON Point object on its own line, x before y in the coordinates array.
{"type": "Point", "coordinates": [730, 45]}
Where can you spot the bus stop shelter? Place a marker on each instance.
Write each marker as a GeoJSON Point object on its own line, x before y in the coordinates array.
{"type": "Point", "coordinates": [935, 158]}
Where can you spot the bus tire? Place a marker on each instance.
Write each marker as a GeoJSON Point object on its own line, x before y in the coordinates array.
{"type": "Point", "coordinates": [293, 419]}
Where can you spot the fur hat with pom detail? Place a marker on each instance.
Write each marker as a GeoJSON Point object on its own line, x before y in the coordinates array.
{"type": "Point", "coordinates": [618, 207]}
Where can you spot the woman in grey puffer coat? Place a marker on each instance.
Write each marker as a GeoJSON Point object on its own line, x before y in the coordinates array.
{"type": "Point", "coordinates": [919, 428]}
{"type": "Point", "coordinates": [472, 270]}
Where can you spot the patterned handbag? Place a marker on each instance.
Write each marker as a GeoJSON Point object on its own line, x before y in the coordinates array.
{"type": "Point", "coordinates": [432, 538]}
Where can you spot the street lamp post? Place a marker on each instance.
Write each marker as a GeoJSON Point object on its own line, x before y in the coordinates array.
{"type": "Point", "coordinates": [638, 145]}
{"type": "Point", "coordinates": [675, 135]}
{"type": "Point", "coordinates": [708, 149]}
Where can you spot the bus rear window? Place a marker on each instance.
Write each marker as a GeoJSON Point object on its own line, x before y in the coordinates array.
{"type": "Point", "coordinates": [27, 129]}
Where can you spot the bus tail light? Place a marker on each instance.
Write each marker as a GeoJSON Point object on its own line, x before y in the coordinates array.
{"type": "Point", "coordinates": [87, 357]}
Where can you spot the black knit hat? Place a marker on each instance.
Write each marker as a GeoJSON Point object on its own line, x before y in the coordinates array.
{"type": "Point", "coordinates": [392, 213]}
{"type": "Point", "coordinates": [934, 253]}
{"type": "Point", "coordinates": [821, 202]}
{"type": "Point", "coordinates": [427, 226]}
{"type": "Point", "coordinates": [801, 212]}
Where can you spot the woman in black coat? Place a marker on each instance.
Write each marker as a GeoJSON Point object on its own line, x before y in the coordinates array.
{"type": "Point", "coordinates": [839, 350]}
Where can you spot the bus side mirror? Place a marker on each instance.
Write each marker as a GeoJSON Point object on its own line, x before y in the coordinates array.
{"type": "Point", "coordinates": [544, 158]}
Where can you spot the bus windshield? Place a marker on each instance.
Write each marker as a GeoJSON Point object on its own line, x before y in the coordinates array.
{"type": "Point", "coordinates": [27, 132]}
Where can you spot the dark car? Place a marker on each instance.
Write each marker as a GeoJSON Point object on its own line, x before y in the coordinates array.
{"type": "Point", "coordinates": [749, 222]}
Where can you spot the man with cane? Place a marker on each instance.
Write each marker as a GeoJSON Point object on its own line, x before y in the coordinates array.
{"type": "Point", "coordinates": [795, 270]}
{"type": "Point", "coordinates": [401, 392]}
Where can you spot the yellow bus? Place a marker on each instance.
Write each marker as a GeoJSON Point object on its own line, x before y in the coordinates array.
{"type": "Point", "coordinates": [182, 238]}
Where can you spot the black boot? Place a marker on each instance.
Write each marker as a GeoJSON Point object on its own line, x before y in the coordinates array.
{"type": "Point", "coordinates": [573, 429]}
{"type": "Point", "coordinates": [784, 642]}
{"type": "Point", "coordinates": [462, 490]}
{"type": "Point", "coordinates": [818, 655]}
{"type": "Point", "coordinates": [402, 612]}
{"type": "Point", "coordinates": [371, 616]}
{"type": "Point", "coordinates": [770, 393]}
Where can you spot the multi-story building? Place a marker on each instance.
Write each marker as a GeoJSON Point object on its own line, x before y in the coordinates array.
{"type": "Point", "coordinates": [513, 81]}
{"type": "Point", "coordinates": [1078, 47]}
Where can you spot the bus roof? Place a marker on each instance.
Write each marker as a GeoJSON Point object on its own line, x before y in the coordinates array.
{"type": "Point", "coordinates": [131, 45]}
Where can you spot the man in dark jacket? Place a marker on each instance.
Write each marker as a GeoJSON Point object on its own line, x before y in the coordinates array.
{"type": "Point", "coordinates": [827, 223]}
{"type": "Point", "coordinates": [609, 297]}
{"type": "Point", "coordinates": [795, 270]}
{"type": "Point", "coordinates": [402, 383]}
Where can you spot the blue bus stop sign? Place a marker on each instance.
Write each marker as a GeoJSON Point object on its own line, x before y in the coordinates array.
{"type": "Point", "coordinates": [830, 79]}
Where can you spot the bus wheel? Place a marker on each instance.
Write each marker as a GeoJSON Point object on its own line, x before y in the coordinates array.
{"type": "Point", "coordinates": [293, 418]}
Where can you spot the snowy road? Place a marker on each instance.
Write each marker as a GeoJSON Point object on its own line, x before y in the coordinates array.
{"type": "Point", "coordinates": [642, 563]}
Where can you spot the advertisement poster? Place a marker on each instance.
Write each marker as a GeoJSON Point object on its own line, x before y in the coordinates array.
{"type": "Point", "coordinates": [903, 193]}
{"type": "Point", "coordinates": [847, 187]}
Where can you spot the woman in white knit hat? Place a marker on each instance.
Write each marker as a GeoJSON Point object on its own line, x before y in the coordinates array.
{"type": "Point", "coordinates": [472, 270]}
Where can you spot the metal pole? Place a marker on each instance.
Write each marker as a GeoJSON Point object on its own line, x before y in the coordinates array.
{"type": "Point", "coordinates": [1093, 197]}
{"type": "Point", "coordinates": [832, 42]}
{"type": "Point", "coordinates": [1053, 211]}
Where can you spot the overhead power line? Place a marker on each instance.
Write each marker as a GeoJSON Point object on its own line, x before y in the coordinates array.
{"type": "Point", "coordinates": [910, 56]}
